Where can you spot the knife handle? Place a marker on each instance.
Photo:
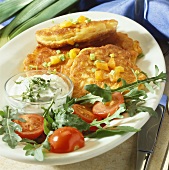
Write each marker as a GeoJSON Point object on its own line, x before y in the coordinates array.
{"type": "Point", "coordinates": [139, 11]}
{"type": "Point", "coordinates": [145, 157]}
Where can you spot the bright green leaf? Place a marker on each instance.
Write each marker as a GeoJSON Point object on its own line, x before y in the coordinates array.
{"type": "Point", "coordinates": [120, 130]}
{"type": "Point", "coordinates": [89, 98]}
{"type": "Point", "coordinates": [106, 94]}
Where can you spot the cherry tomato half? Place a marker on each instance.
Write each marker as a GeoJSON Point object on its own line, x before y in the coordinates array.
{"type": "Point", "coordinates": [103, 110]}
{"type": "Point", "coordinates": [32, 128]}
{"type": "Point", "coordinates": [84, 113]}
{"type": "Point", "coordinates": [66, 139]}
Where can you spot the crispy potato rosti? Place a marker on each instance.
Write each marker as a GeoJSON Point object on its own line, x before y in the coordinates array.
{"type": "Point", "coordinates": [102, 65]}
{"type": "Point", "coordinates": [124, 41]}
{"type": "Point", "coordinates": [72, 33]}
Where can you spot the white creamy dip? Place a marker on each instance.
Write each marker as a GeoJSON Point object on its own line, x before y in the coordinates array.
{"type": "Point", "coordinates": [39, 88]}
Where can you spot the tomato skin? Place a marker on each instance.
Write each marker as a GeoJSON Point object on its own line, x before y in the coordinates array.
{"type": "Point", "coordinates": [66, 139]}
{"type": "Point", "coordinates": [32, 128]}
{"type": "Point", "coordinates": [103, 110]}
{"type": "Point", "coordinates": [93, 128]}
{"type": "Point", "coordinates": [84, 113]}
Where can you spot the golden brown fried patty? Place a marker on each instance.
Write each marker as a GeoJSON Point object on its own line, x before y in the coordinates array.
{"type": "Point", "coordinates": [83, 70]}
{"type": "Point", "coordinates": [124, 41]}
{"type": "Point", "coordinates": [40, 59]}
{"type": "Point", "coordinates": [57, 36]}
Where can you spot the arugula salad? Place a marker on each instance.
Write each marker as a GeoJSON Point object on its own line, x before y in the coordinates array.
{"type": "Point", "coordinates": [64, 129]}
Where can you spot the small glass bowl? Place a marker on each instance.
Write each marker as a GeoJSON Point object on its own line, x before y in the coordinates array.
{"type": "Point", "coordinates": [36, 107]}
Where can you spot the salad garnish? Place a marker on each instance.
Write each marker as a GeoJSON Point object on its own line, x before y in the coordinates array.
{"type": "Point", "coordinates": [64, 116]}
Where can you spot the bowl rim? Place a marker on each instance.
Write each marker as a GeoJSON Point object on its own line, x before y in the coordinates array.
{"type": "Point", "coordinates": [48, 72]}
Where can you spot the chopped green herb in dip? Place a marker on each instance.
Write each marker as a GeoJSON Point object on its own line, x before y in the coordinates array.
{"type": "Point", "coordinates": [39, 88]}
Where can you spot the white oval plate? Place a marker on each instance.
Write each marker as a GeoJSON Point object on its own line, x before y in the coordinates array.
{"type": "Point", "coordinates": [13, 53]}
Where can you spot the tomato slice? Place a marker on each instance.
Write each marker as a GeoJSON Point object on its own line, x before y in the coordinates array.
{"type": "Point", "coordinates": [103, 110]}
{"type": "Point", "coordinates": [85, 113]}
{"type": "Point", "coordinates": [66, 139]}
{"type": "Point", "coordinates": [32, 128]}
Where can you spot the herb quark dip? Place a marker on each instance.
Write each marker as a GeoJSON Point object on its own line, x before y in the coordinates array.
{"type": "Point", "coordinates": [39, 88]}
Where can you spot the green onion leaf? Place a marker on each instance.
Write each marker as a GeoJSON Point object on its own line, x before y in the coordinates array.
{"type": "Point", "coordinates": [9, 8]}
{"type": "Point", "coordinates": [29, 11]}
{"type": "Point", "coordinates": [56, 9]}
